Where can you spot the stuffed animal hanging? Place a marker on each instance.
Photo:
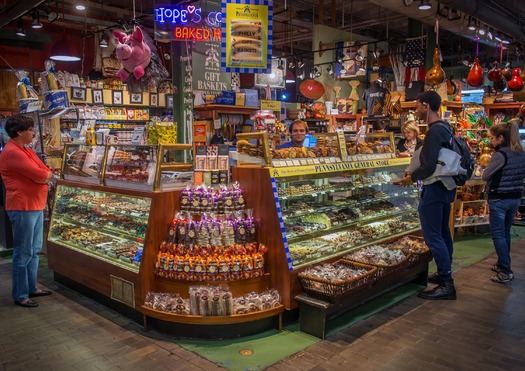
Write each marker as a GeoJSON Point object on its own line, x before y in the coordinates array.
{"type": "Point", "coordinates": [133, 53]}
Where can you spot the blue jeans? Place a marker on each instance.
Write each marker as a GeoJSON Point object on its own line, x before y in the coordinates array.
{"type": "Point", "coordinates": [502, 213]}
{"type": "Point", "coordinates": [28, 229]}
{"type": "Point", "coordinates": [434, 215]}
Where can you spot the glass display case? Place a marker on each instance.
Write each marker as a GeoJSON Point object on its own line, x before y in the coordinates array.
{"type": "Point", "coordinates": [327, 214]}
{"type": "Point", "coordinates": [104, 225]}
{"type": "Point", "coordinates": [131, 166]}
{"type": "Point", "coordinates": [83, 163]}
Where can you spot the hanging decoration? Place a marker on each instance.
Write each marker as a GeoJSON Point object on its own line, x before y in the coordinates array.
{"type": "Point", "coordinates": [516, 83]}
{"type": "Point", "coordinates": [141, 67]}
{"type": "Point", "coordinates": [475, 75]}
{"type": "Point", "coordinates": [311, 89]}
{"type": "Point", "coordinates": [436, 75]}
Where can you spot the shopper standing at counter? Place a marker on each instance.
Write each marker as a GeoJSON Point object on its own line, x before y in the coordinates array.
{"type": "Point", "coordinates": [504, 176]}
{"type": "Point", "coordinates": [436, 197]}
{"type": "Point", "coordinates": [298, 130]}
{"type": "Point", "coordinates": [25, 177]}
{"type": "Point", "coordinates": [411, 141]}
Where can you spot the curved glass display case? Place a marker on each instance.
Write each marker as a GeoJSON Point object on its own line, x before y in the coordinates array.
{"type": "Point", "coordinates": [104, 225]}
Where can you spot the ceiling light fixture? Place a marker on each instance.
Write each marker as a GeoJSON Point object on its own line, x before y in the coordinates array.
{"type": "Point", "coordinates": [291, 64]}
{"type": "Point", "coordinates": [483, 30]}
{"type": "Point", "coordinates": [443, 12]}
{"type": "Point", "coordinates": [490, 34]}
{"type": "Point", "coordinates": [498, 37]}
{"type": "Point", "coordinates": [280, 64]}
{"type": "Point", "coordinates": [290, 78]}
{"type": "Point", "coordinates": [425, 5]}
{"type": "Point", "coordinates": [471, 24]}
{"type": "Point", "coordinates": [80, 6]}
{"type": "Point", "coordinates": [505, 40]}
{"type": "Point", "coordinates": [64, 52]}
{"type": "Point", "coordinates": [20, 29]}
{"type": "Point", "coordinates": [36, 20]}
{"type": "Point", "coordinates": [453, 15]}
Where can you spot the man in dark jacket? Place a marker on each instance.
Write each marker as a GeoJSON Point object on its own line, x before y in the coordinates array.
{"type": "Point", "coordinates": [436, 197]}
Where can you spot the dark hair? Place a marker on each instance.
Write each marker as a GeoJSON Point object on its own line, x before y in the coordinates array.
{"type": "Point", "coordinates": [15, 124]}
{"type": "Point", "coordinates": [510, 132]}
{"type": "Point", "coordinates": [431, 98]}
{"type": "Point", "coordinates": [378, 125]}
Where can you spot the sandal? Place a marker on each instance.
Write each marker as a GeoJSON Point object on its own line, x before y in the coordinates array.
{"type": "Point", "coordinates": [27, 303]}
{"type": "Point", "coordinates": [40, 293]}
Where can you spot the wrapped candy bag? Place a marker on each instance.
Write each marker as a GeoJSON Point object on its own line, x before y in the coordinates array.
{"type": "Point", "coordinates": [25, 94]}
{"type": "Point", "coordinates": [49, 80]}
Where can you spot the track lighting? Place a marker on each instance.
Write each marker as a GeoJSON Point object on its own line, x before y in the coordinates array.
{"type": "Point", "coordinates": [453, 15]}
{"type": "Point", "coordinates": [425, 5]}
{"type": "Point", "coordinates": [330, 70]}
{"type": "Point", "coordinates": [482, 30]}
{"type": "Point", "coordinates": [280, 64]}
{"type": "Point", "coordinates": [291, 64]}
{"type": "Point", "coordinates": [498, 37]}
{"type": "Point", "coordinates": [36, 20]}
{"type": "Point", "coordinates": [20, 29]}
{"type": "Point", "coordinates": [300, 64]}
{"type": "Point", "coordinates": [471, 24]}
{"type": "Point", "coordinates": [443, 12]}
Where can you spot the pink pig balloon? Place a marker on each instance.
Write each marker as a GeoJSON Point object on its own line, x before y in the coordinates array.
{"type": "Point", "coordinates": [133, 54]}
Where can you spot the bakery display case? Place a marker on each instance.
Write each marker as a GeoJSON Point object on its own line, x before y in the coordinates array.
{"type": "Point", "coordinates": [131, 166]}
{"type": "Point", "coordinates": [328, 214]}
{"type": "Point", "coordinates": [104, 225]}
{"type": "Point", "coordinates": [319, 212]}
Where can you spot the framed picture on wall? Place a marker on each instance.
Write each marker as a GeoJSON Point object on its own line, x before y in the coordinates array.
{"type": "Point", "coordinates": [153, 99]}
{"type": "Point", "coordinates": [78, 93]}
{"type": "Point", "coordinates": [276, 79]}
{"type": "Point", "coordinates": [97, 96]}
{"type": "Point", "coordinates": [135, 98]}
{"type": "Point", "coordinates": [169, 101]}
{"type": "Point", "coordinates": [116, 97]}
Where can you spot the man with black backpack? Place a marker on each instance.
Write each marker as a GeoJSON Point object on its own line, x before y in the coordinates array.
{"type": "Point", "coordinates": [436, 197]}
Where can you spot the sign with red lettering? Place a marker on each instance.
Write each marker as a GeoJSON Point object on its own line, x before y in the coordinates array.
{"type": "Point", "coordinates": [186, 23]}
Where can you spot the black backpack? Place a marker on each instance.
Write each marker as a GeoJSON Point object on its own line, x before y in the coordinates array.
{"type": "Point", "coordinates": [460, 146]}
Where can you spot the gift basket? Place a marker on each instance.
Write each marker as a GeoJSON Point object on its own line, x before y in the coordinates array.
{"type": "Point", "coordinates": [388, 261]}
{"type": "Point", "coordinates": [332, 281]}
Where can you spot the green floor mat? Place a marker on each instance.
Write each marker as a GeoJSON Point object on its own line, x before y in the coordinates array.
{"type": "Point", "coordinates": [253, 352]}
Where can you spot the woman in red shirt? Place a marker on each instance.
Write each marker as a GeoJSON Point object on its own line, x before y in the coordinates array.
{"type": "Point", "coordinates": [25, 177]}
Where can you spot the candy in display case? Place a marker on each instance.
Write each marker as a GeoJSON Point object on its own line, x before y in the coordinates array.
{"type": "Point", "coordinates": [104, 225]}
{"type": "Point", "coordinates": [325, 215]}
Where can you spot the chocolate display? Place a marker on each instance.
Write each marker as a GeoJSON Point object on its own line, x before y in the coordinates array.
{"type": "Point", "coordinates": [218, 200]}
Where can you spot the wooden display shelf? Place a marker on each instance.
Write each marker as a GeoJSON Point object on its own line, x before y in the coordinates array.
{"type": "Point", "coordinates": [212, 320]}
{"type": "Point", "coordinates": [237, 287]}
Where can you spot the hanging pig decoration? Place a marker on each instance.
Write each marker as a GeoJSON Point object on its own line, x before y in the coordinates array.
{"type": "Point", "coordinates": [133, 54]}
{"type": "Point", "coordinates": [435, 75]}
{"type": "Point", "coordinates": [475, 76]}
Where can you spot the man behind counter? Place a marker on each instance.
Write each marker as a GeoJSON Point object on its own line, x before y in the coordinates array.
{"type": "Point", "coordinates": [298, 130]}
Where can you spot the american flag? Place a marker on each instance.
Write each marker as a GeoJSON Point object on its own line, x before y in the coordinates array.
{"type": "Point", "coordinates": [414, 55]}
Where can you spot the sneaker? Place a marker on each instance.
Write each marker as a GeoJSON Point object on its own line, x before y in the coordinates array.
{"type": "Point", "coordinates": [495, 268]}
{"type": "Point", "coordinates": [502, 277]}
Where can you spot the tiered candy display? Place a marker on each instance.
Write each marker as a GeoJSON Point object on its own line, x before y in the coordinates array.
{"type": "Point", "coordinates": [219, 200]}
{"type": "Point", "coordinates": [212, 248]}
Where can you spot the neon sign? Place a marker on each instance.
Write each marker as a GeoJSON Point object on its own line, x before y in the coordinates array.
{"type": "Point", "coordinates": [186, 22]}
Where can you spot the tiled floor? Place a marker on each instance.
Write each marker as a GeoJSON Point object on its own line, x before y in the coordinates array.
{"type": "Point", "coordinates": [483, 330]}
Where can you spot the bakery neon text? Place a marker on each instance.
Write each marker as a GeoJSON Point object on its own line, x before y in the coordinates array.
{"type": "Point", "coordinates": [198, 34]}
{"type": "Point", "coordinates": [190, 14]}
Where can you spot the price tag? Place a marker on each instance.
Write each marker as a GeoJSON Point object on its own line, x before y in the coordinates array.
{"type": "Point", "coordinates": [296, 162]}
{"type": "Point", "coordinates": [289, 163]}
{"type": "Point", "coordinates": [316, 161]}
{"type": "Point", "coordinates": [138, 133]}
{"type": "Point", "coordinates": [217, 124]}
{"type": "Point", "coordinates": [314, 194]}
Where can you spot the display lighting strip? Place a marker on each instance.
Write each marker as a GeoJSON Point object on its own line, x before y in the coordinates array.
{"type": "Point", "coordinates": [281, 223]}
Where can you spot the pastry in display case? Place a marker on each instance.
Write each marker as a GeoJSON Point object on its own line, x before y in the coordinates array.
{"type": "Point", "coordinates": [104, 225]}
{"type": "Point", "coordinates": [83, 163]}
{"type": "Point", "coordinates": [328, 214]}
